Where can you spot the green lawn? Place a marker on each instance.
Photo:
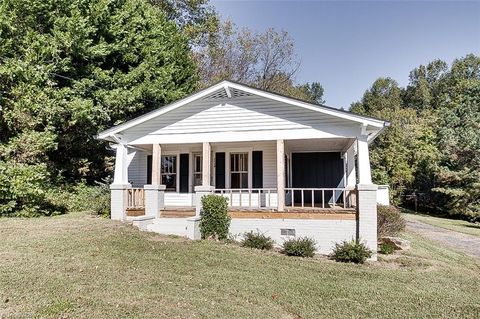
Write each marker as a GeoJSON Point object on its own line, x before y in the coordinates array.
{"type": "Point", "coordinates": [77, 266]}
{"type": "Point", "coordinates": [461, 226]}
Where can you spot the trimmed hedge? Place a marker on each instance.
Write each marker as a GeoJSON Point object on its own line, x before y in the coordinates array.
{"type": "Point", "coordinates": [300, 247]}
{"type": "Point", "coordinates": [214, 222]}
{"type": "Point", "coordinates": [389, 221]}
{"type": "Point", "coordinates": [351, 252]}
{"type": "Point", "coordinates": [257, 240]}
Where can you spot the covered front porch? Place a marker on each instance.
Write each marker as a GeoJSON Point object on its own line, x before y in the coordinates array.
{"type": "Point", "coordinates": [303, 176]}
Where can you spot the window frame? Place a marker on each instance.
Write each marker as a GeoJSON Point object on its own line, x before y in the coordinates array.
{"type": "Point", "coordinates": [196, 172]}
{"type": "Point", "coordinates": [174, 171]}
{"type": "Point", "coordinates": [236, 170]}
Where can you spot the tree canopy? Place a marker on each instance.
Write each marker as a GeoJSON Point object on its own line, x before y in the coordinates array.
{"type": "Point", "coordinates": [69, 68]}
{"type": "Point", "coordinates": [433, 145]}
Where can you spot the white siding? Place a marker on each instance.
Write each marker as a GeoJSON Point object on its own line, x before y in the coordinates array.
{"type": "Point", "coordinates": [173, 199]}
{"type": "Point", "coordinates": [237, 115]}
{"type": "Point", "coordinates": [137, 170]}
{"type": "Point", "coordinates": [325, 232]}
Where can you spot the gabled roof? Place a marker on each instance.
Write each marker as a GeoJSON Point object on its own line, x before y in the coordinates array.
{"type": "Point", "coordinates": [229, 89]}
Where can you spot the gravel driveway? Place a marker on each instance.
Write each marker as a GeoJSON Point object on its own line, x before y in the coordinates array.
{"type": "Point", "coordinates": [468, 244]}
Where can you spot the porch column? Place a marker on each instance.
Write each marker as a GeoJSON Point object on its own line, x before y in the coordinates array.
{"type": "Point", "coordinates": [155, 193]}
{"type": "Point", "coordinates": [351, 173]}
{"type": "Point", "coordinates": [207, 150]}
{"type": "Point", "coordinates": [363, 161]}
{"type": "Point", "coordinates": [367, 216]}
{"type": "Point", "coordinates": [156, 164]}
{"type": "Point", "coordinates": [206, 188]}
{"type": "Point", "coordinates": [120, 185]}
{"type": "Point", "coordinates": [281, 175]}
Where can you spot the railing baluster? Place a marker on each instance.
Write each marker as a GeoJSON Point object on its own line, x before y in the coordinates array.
{"type": "Point", "coordinates": [334, 199]}
{"type": "Point", "coordinates": [269, 196]}
{"type": "Point", "coordinates": [249, 197]}
{"type": "Point", "coordinates": [259, 198]}
{"type": "Point", "coordinates": [344, 199]}
{"type": "Point", "coordinates": [313, 199]}
{"type": "Point", "coordinates": [323, 198]}
{"type": "Point", "coordinates": [293, 203]}
{"type": "Point", "coordinates": [301, 191]}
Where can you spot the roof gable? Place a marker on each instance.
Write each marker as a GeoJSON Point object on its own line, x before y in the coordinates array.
{"type": "Point", "coordinates": [228, 92]}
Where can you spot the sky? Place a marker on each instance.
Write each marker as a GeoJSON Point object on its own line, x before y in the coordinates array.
{"type": "Point", "coordinates": [347, 45]}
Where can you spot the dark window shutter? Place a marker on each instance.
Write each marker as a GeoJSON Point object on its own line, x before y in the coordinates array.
{"type": "Point", "coordinates": [219, 170]}
{"type": "Point", "coordinates": [184, 173]}
{"type": "Point", "coordinates": [257, 168]}
{"type": "Point", "coordinates": [149, 169]}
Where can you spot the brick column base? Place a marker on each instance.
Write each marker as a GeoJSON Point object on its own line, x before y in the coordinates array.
{"type": "Point", "coordinates": [367, 216]}
{"type": "Point", "coordinates": [154, 199]}
{"type": "Point", "coordinates": [118, 201]}
{"type": "Point", "coordinates": [201, 191]}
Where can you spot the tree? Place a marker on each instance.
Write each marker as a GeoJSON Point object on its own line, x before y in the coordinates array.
{"type": "Point", "coordinates": [265, 60]}
{"type": "Point", "coordinates": [196, 18]}
{"type": "Point", "coordinates": [314, 91]}
{"type": "Point", "coordinates": [406, 147]}
{"type": "Point", "coordinates": [459, 139]}
{"type": "Point", "coordinates": [69, 69]}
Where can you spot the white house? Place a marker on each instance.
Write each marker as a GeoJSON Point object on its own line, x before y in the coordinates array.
{"type": "Point", "coordinates": [287, 167]}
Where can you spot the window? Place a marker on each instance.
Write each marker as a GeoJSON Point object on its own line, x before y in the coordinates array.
{"type": "Point", "coordinates": [239, 170]}
{"type": "Point", "coordinates": [197, 169]}
{"type": "Point", "coordinates": [169, 172]}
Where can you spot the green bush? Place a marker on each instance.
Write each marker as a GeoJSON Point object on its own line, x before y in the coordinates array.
{"type": "Point", "coordinates": [26, 191]}
{"type": "Point", "coordinates": [386, 249]}
{"type": "Point", "coordinates": [257, 240]}
{"type": "Point", "coordinates": [351, 252]}
{"type": "Point", "coordinates": [389, 221]}
{"type": "Point", "coordinates": [92, 199]}
{"type": "Point", "coordinates": [301, 247]}
{"type": "Point", "coordinates": [214, 221]}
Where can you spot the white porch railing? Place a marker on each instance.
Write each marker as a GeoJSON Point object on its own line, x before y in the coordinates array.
{"type": "Point", "coordinates": [249, 197]}
{"type": "Point", "coordinates": [325, 198]}
{"type": "Point", "coordinates": [135, 198]}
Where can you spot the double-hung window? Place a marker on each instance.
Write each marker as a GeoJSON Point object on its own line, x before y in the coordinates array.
{"type": "Point", "coordinates": [169, 172]}
{"type": "Point", "coordinates": [239, 170]}
{"type": "Point", "coordinates": [197, 169]}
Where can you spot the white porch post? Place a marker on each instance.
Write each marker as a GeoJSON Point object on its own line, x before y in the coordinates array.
{"type": "Point", "coordinates": [206, 188]}
{"type": "Point", "coordinates": [155, 193]}
{"type": "Point", "coordinates": [366, 199]}
{"type": "Point", "coordinates": [363, 161]}
{"type": "Point", "coordinates": [281, 175]}
{"type": "Point", "coordinates": [207, 150]}
{"type": "Point", "coordinates": [156, 164]}
{"type": "Point", "coordinates": [118, 189]}
{"type": "Point", "coordinates": [351, 173]}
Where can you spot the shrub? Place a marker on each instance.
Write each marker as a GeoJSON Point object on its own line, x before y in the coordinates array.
{"type": "Point", "coordinates": [257, 240]}
{"type": "Point", "coordinates": [301, 247]}
{"type": "Point", "coordinates": [386, 249]}
{"type": "Point", "coordinates": [389, 221]}
{"type": "Point", "coordinates": [92, 199]}
{"type": "Point", "coordinates": [214, 222]}
{"type": "Point", "coordinates": [351, 251]}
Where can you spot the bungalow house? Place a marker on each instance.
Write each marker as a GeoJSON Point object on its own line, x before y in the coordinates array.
{"type": "Point", "coordinates": [288, 168]}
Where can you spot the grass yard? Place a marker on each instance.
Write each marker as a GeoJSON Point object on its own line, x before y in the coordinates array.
{"type": "Point", "coordinates": [78, 266]}
{"type": "Point", "coordinates": [457, 225]}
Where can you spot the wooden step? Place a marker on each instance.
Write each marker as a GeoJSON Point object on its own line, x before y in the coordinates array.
{"type": "Point", "coordinates": [177, 213]}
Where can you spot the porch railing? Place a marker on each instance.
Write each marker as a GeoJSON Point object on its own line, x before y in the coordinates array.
{"type": "Point", "coordinates": [249, 197]}
{"type": "Point", "coordinates": [135, 198]}
{"type": "Point", "coordinates": [325, 198]}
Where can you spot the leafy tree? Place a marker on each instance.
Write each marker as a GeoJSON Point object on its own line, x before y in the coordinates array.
{"type": "Point", "coordinates": [71, 68]}
{"type": "Point", "coordinates": [265, 60]}
{"type": "Point", "coordinates": [459, 139]}
{"type": "Point", "coordinates": [196, 18]}
{"type": "Point", "coordinates": [406, 147]}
